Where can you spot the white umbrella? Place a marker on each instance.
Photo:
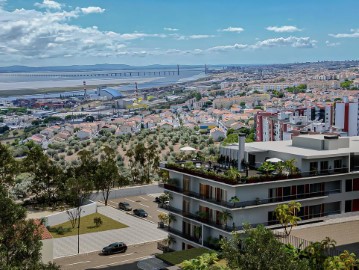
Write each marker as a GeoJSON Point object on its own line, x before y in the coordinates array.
{"type": "Point", "coordinates": [274, 160]}
{"type": "Point", "coordinates": [187, 148]}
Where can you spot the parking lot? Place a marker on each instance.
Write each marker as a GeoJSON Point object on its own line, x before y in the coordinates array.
{"type": "Point", "coordinates": [145, 202]}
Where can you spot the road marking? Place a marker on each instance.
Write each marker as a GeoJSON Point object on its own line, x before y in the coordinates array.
{"type": "Point", "coordinates": [161, 211]}
{"type": "Point", "coordinates": [130, 200]}
{"type": "Point", "coordinates": [108, 264]}
{"type": "Point", "coordinates": [143, 198]}
{"type": "Point", "coordinates": [77, 263]}
{"type": "Point", "coordinates": [121, 255]}
{"type": "Point", "coordinates": [144, 205]}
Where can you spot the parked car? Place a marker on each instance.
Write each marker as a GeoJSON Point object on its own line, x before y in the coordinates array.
{"type": "Point", "coordinates": [140, 213]}
{"type": "Point", "coordinates": [125, 206]}
{"type": "Point", "coordinates": [114, 248]}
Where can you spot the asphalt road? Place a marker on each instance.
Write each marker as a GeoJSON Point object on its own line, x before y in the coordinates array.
{"type": "Point", "coordinates": [145, 202]}
{"type": "Point", "coordinates": [121, 261]}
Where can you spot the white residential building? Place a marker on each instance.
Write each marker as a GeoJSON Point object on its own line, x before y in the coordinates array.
{"type": "Point", "coordinates": [327, 186]}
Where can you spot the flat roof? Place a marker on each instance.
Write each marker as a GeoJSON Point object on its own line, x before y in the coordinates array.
{"type": "Point", "coordinates": [287, 147]}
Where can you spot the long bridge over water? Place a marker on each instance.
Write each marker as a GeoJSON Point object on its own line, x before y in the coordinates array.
{"type": "Point", "coordinates": [93, 74]}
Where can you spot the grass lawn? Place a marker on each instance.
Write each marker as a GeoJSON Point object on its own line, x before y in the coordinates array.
{"type": "Point", "coordinates": [178, 257]}
{"type": "Point", "coordinates": [88, 226]}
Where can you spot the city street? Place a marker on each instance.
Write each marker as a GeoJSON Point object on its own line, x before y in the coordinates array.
{"type": "Point", "coordinates": [122, 261]}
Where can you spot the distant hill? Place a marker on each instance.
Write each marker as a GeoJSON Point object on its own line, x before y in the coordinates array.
{"type": "Point", "coordinates": [98, 67]}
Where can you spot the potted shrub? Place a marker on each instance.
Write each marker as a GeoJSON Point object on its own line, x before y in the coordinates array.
{"type": "Point", "coordinates": [163, 217]}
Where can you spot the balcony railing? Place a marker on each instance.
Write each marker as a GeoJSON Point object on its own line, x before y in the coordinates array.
{"type": "Point", "coordinates": [181, 234]}
{"type": "Point", "coordinates": [248, 203]}
{"type": "Point", "coordinates": [212, 174]}
{"type": "Point", "coordinates": [202, 219]}
{"type": "Point", "coordinates": [274, 224]}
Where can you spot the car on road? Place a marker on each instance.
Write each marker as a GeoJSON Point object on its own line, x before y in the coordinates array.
{"type": "Point", "coordinates": [140, 213]}
{"type": "Point", "coordinates": [125, 206]}
{"type": "Point", "coordinates": [116, 247]}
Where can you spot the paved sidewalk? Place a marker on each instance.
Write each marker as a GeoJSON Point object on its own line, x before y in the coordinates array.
{"type": "Point", "coordinates": [139, 231]}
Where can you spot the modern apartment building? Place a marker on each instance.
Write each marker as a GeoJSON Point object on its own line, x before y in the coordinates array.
{"type": "Point", "coordinates": [326, 185]}
{"type": "Point", "coordinates": [284, 124]}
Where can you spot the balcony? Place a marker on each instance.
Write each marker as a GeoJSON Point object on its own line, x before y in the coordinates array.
{"type": "Point", "coordinates": [181, 234]}
{"type": "Point", "coordinates": [252, 202]}
{"type": "Point", "coordinates": [274, 224]}
{"type": "Point", "coordinates": [218, 173]}
{"type": "Point", "coordinates": [201, 219]}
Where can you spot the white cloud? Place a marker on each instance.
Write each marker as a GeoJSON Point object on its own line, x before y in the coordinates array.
{"type": "Point", "coordinates": [136, 35]}
{"type": "Point", "coordinates": [89, 10]}
{"type": "Point", "coordinates": [32, 34]}
{"type": "Point", "coordinates": [200, 36]}
{"type": "Point", "coordinates": [232, 29]}
{"type": "Point", "coordinates": [170, 29]}
{"type": "Point", "coordinates": [283, 29]}
{"type": "Point", "coordinates": [49, 4]}
{"type": "Point", "coordinates": [228, 47]}
{"type": "Point", "coordinates": [332, 44]}
{"type": "Point", "coordinates": [354, 34]}
{"type": "Point", "coordinates": [295, 42]}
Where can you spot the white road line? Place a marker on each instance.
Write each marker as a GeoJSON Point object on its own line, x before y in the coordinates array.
{"type": "Point", "coordinates": [143, 198]}
{"type": "Point", "coordinates": [144, 205]}
{"type": "Point", "coordinates": [77, 263]}
{"type": "Point", "coordinates": [130, 200]}
{"type": "Point", "coordinates": [108, 264]}
{"type": "Point", "coordinates": [121, 255]}
{"type": "Point", "coordinates": [161, 211]}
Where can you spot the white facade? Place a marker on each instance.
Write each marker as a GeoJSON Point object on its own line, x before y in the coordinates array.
{"type": "Point", "coordinates": [328, 186]}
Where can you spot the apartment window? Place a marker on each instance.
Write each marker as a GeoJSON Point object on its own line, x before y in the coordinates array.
{"type": "Point", "coordinates": [352, 205]}
{"type": "Point", "coordinates": [338, 164]}
{"type": "Point", "coordinates": [324, 167]}
{"type": "Point", "coordinates": [313, 167]}
{"type": "Point", "coordinates": [352, 185]}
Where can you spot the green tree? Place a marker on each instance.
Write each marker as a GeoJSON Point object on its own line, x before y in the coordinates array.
{"type": "Point", "coordinates": [317, 252]}
{"type": "Point", "coordinates": [345, 261]}
{"type": "Point", "coordinates": [46, 176]}
{"type": "Point", "coordinates": [286, 214]}
{"type": "Point", "coordinates": [258, 249]}
{"type": "Point", "coordinates": [206, 261]}
{"type": "Point", "coordinates": [107, 174]}
{"type": "Point", "coordinates": [20, 239]}
{"type": "Point", "coordinates": [8, 166]}
{"type": "Point", "coordinates": [225, 216]}
{"type": "Point", "coordinates": [290, 166]}
{"type": "Point", "coordinates": [267, 168]}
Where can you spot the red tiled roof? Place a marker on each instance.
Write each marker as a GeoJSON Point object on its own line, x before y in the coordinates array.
{"type": "Point", "coordinates": [45, 234]}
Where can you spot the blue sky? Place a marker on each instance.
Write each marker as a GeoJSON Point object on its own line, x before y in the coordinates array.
{"type": "Point", "coordinates": [142, 32]}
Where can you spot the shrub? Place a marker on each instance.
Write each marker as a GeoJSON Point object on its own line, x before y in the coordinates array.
{"type": "Point", "coordinates": [98, 221]}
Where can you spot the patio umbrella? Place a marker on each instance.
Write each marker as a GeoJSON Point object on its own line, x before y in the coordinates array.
{"type": "Point", "coordinates": [274, 160]}
{"type": "Point", "coordinates": [187, 148]}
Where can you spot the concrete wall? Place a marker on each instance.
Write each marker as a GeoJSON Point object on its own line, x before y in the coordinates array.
{"type": "Point", "coordinates": [129, 191]}
{"type": "Point", "coordinates": [62, 217]}
{"type": "Point", "coordinates": [47, 250]}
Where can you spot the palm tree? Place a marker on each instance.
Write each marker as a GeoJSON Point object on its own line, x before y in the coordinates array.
{"type": "Point", "coordinates": [286, 214]}
{"type": "Point", "coordinates": [225, 216]}
{"type": "Point", "coordinates": [234, 200]}
{"type": "Point", "coordinates": [171, 218]}
{"type": "Point", "coordinates": [280, 166]}
{"type": "Point", "coordinates": [233, 174]}
{"type": "Point", "coordinates": [289, 165]}
{"type": "Point", "coordinates": [266, 167]}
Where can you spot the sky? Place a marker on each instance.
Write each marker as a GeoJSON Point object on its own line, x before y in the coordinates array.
{"type": "Point", "coordinates": [145, 32]}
